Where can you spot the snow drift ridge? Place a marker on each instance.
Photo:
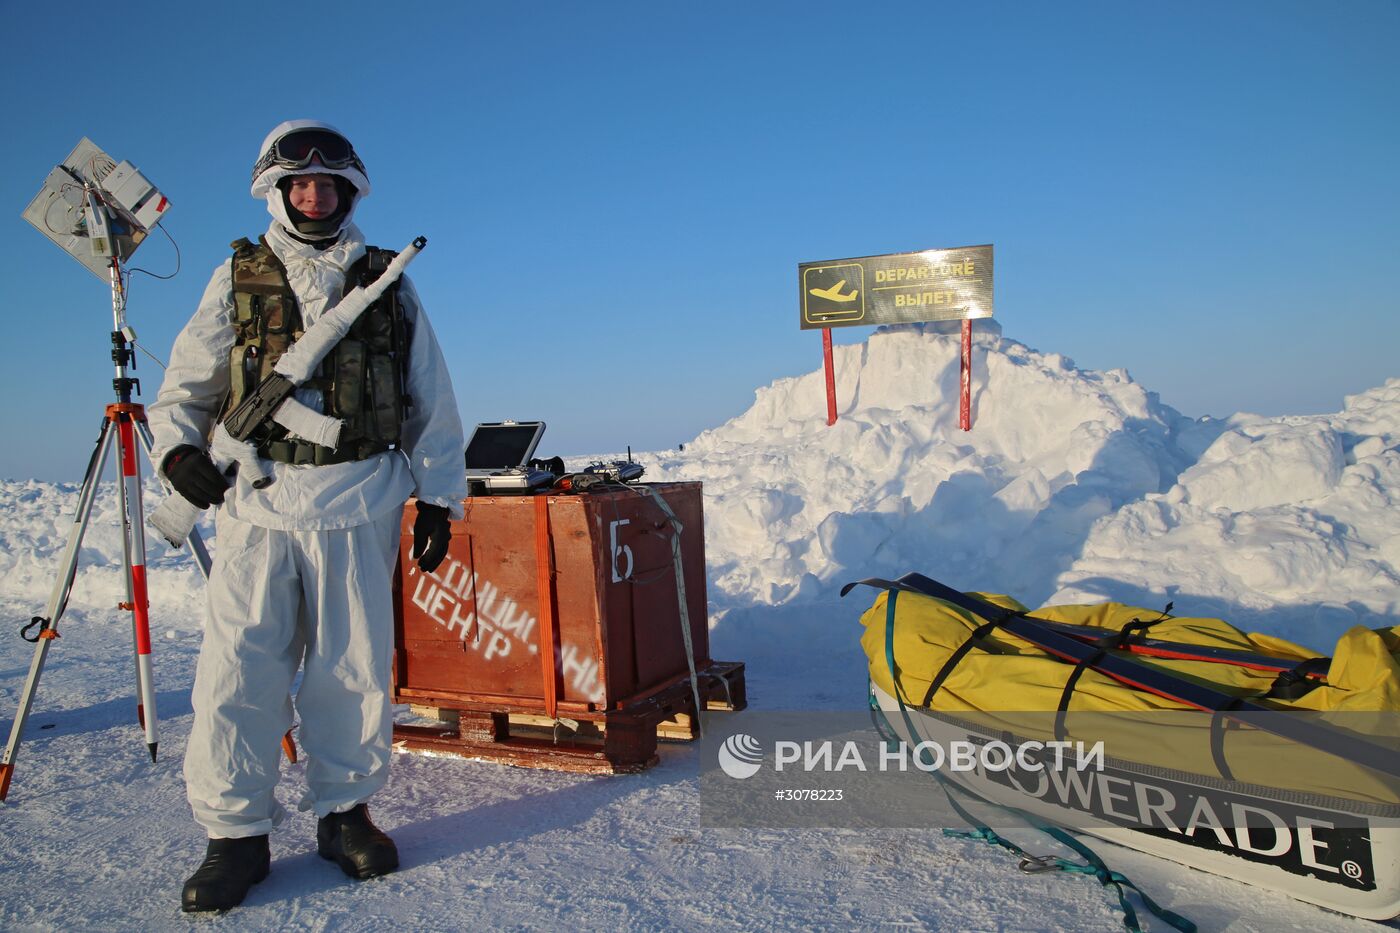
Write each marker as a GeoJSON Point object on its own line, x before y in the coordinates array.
{"type": "Point", "coordinates": [1070, 483]}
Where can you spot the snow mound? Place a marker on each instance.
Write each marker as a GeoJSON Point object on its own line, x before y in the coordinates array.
{"type": "Point", "coordinates": [1294, 516]}
{"type": "Point", "coordinates": [795, 508]}
{"type": "Point", "coordinates": [1073, 486]}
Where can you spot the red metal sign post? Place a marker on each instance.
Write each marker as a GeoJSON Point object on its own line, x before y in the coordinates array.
{"type": "Point", "coordinates": [830, 377]}
{"type": "Point", "coordinates": [965, 395]}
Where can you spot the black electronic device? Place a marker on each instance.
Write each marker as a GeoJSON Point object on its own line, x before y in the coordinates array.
{"type": "Point", "coordinates": [616, 471]}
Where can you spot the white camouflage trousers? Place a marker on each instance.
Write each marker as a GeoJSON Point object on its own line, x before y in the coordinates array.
{"type": "Point", "coordinates": [279, 600]}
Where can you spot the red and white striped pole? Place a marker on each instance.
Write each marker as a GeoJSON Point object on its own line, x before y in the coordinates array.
{"type": "Point", "coordinates": [140, 602]}
{"type": "Point", "coordinates": [125, 414]}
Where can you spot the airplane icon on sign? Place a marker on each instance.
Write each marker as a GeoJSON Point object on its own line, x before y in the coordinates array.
{"type": "Point", "coordinates": [834, 293]}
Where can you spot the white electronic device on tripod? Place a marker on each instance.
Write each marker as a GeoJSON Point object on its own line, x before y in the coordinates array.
{"type": "Point", "coordinates": [95, 208]}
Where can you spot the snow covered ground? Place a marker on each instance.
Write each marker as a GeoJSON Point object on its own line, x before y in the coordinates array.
{"type": "Point", "coordinates": [1073, 486]}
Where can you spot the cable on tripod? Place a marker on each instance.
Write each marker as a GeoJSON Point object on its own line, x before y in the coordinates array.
{"type": "Point", "coordinates": [143, 349]}
{"type": "Point", "coordinates": [153, 275]}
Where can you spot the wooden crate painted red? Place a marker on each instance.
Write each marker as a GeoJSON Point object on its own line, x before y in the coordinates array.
{"type": "Point", "coordinates": [470, 634]}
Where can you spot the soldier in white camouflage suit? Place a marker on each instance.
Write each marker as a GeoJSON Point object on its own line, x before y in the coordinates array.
{"type": "Point", "coordinates": [303, 568]}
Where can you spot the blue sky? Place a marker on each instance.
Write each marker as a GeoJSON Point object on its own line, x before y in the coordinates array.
{"type": "Point", "coordinates": [617, 195]}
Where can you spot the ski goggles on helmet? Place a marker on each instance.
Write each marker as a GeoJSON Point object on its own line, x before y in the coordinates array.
{"type": "Point", "coordinates": [298, 148]}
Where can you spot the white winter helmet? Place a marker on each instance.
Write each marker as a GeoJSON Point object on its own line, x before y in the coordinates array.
{"type": "Point", "coordinates": [308, 147]}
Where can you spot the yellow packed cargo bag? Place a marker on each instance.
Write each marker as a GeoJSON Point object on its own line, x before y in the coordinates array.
{"type": "Point", "coordinates": [1008, 675]}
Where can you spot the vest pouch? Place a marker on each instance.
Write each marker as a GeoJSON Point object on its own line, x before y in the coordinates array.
{"type": "Point", "coordinates": [382, 419]}
{"type": "Point", "coordinates": [376, 328]}
{"type": "Point", "coordinates": [242, 373]}
{"type": "Point", "coordinates": [259, 291]}
{"type": "Point", "coordinates": [273, 346]}
{"type": "Point", "coordinates": [348, 380]}
{"type": "Point", "coordinates": [276, 320]}
{"type": "Point", "coordinates": [245, 308]}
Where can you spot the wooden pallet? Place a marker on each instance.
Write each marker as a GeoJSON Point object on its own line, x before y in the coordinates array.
{"type": "Point", "coordinates": [615, 741]}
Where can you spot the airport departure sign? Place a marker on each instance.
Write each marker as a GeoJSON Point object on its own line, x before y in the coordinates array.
{"type": "Point", "coordinates": [897, 288]}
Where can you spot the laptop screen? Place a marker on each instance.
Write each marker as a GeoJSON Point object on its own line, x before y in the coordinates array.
{"type": "Point", "coordinates": [502, 446]}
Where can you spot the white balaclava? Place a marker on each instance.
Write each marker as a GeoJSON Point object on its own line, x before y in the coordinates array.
{"type": "Point", "coordinates": [267, 172]}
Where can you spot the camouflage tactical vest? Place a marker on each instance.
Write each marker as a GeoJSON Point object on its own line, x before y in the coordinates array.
{"type": "Point", "coordinates": [362, 380]}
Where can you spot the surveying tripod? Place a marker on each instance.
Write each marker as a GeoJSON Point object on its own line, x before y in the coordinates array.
{"type": "Point", "coordinates": [122, 423]}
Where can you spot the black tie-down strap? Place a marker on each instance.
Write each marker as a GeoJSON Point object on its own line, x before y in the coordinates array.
{"type": "Point", "coordinates": [1121, 640]}
{"type": "Point", "coordinates": [1288, 685]}
{"type": "Point", "coordinates": [1126, 669]}
{"type": "Point", "coordinates": [978, 635]}
{"type": "Point", "coordinates": [1074, 675]}
{"type": "Point", "coordinates": [1133, 631]}
{"type": "Point", "coordinates": [1299, 680]}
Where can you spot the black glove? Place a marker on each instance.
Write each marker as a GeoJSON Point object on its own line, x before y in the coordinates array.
{"type": "Point", "coordinates": [432, 531]}
{"type": "Point", "coordinates": [194, 476]}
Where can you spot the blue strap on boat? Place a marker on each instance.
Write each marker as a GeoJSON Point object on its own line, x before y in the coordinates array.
{"type": "Point", "coordinates": [1093, 864]}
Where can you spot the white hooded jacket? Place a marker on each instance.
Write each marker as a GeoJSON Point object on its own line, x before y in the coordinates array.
{"type": "Point", "coordinates": [306, 497]}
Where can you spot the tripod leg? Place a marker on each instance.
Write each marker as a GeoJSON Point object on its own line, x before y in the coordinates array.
{"type": "Point", "coordinates": [135, 540]}
{"type": "Point", "coordinates": [58, 601]}
{"type": "Point", "coordinates": [124, 510]}
{"type": "Point", "coordinates": [195, 540]}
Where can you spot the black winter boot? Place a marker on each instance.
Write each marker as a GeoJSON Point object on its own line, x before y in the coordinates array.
{"type": "Point", "coordinates": [229, 869]}
{"type": "Point", "coordinates": [355, 844]}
